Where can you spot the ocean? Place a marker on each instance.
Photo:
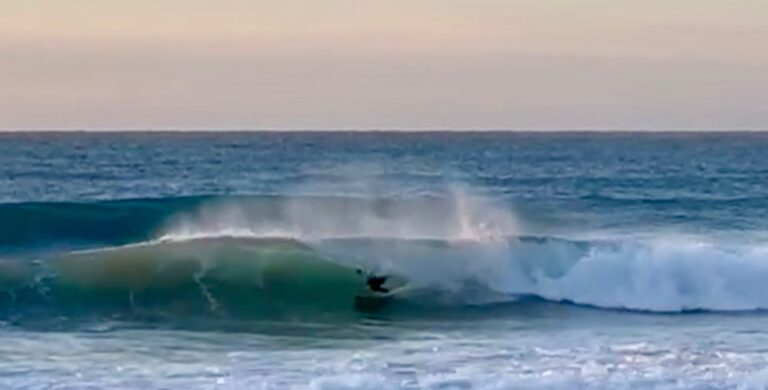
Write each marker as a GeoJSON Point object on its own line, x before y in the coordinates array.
{"type": "Point", "coordinates": [240, 260]}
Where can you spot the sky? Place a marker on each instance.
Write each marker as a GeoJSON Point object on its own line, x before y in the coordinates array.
{"type": "Point", "coordinates": [386, 64]}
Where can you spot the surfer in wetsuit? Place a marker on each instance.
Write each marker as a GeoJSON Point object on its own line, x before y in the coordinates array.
{"type": "Point", "coordinates": [375, 283]}
{"type": "Point", "coordinates": [377, 295]}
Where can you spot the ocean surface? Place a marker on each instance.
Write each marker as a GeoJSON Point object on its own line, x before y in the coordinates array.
{"type": "Point", "coordinates": [519, 260]}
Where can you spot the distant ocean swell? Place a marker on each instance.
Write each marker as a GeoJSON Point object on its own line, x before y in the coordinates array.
{"type": "Point", "coordinates": [264, 256]}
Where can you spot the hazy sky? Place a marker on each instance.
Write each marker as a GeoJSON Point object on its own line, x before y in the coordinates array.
{"type": "Point", "coordinates": [424, 64]}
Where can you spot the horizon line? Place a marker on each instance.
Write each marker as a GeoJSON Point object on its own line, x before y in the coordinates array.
{"type": "Point", "coordinates": [378, 130]}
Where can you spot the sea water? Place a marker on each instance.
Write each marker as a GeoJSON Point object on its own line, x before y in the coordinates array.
{"type": "Point", "coordinates": [533, 260]}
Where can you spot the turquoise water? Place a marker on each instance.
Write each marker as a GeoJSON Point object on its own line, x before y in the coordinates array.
{"type": "Point", "coordinates": [229, 260]}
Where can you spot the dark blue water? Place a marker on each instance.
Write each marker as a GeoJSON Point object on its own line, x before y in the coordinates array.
{"type": "Point", "coordinates": [640, 182]}
{"type": "Point", "coordinates": [530, 259]}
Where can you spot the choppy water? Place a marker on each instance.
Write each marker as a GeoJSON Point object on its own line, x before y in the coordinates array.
{"type": "Point", "coordinates": [228, 260]}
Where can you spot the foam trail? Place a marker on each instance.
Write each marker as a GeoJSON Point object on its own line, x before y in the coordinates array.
{"type": "Point", "coordinates": [213, 304]}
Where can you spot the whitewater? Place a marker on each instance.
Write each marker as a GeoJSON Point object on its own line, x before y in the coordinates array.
{"type": "Point", "coordinates": [236, 260]}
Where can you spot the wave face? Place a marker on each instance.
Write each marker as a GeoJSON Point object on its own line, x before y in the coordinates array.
{"type": "Point", "coordinates": [261, 257]}
{"type": "Point", "coordinates": [225, 276]}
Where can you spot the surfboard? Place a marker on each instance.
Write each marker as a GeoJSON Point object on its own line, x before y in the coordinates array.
{"type": "Point", "coordinates": [367, 299]}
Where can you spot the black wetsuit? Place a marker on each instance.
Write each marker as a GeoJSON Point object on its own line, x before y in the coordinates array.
{"type": "Point", "coordinates": [376, 283]}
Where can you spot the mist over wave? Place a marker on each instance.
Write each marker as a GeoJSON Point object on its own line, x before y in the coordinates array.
{"type": "Point", "coordinates": [456, 216]}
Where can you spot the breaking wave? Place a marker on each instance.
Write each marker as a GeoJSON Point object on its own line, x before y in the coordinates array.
{"type": "Point", "coordinates": [282, 256]}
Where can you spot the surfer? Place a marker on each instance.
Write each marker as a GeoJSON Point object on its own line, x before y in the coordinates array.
{"type": "Point", "coordinates": [375, 283]}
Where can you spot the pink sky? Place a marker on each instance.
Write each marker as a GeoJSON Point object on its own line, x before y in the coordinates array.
{"type": "Point", "coordinates": [396, 64]}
